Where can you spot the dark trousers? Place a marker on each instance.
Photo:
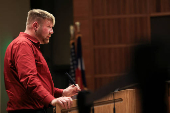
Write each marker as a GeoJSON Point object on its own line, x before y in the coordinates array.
{"type": "Point", "coordinates": [29, 111]}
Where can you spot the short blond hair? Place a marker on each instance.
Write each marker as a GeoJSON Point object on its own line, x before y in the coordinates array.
{"type": "Point", "coordinates": [38, 14]}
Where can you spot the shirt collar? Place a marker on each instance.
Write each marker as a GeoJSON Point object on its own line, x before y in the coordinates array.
{"type": "Point", "coordinates": [32, 39]}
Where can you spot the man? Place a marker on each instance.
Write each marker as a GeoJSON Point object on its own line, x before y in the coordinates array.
{"type": "Point", "coordinates": [27, 77]}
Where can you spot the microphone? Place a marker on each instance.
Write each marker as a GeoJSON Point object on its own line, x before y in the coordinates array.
{"type": "Point", "coordinates": [72, 81]}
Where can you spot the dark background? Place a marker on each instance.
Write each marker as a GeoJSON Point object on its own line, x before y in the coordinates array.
{"type": "Point", "coordinates": [63, 12]}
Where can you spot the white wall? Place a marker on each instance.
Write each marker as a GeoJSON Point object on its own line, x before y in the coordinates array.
{"type": "Point", "coordinates": [13, 15]}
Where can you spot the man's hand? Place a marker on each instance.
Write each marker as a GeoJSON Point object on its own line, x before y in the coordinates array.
{"type": "Point", "coordinates": [64, 102]}
{"type": "Point", "coordinates": [71, 90]}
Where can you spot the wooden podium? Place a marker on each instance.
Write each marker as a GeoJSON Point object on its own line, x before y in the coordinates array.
{"type": "Point", "coordinates": [125, 101]}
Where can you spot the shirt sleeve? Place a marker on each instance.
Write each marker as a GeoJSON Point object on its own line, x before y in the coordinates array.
{"type": "Point", "coordinates": [58, 92]}
{"type": "Point", "coordinates": [27, 74]}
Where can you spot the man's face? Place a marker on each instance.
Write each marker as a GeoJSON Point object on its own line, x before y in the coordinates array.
{"type": "Point", "coordinates": [44, 31]}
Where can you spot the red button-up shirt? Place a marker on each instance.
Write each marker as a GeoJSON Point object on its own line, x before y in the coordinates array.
{"type": "Point", "coordinates": [27, 77]}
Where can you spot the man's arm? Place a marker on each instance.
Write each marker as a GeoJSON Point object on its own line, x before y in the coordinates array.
{"type": "Point", "coordinates": [68, 92]}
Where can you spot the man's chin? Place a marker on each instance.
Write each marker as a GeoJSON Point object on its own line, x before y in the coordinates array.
{"type": "Point", "coordinates": [46, 41]}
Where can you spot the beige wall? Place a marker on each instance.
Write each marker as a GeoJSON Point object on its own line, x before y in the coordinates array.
{"type": "Point", "coordinates": [12, 21]}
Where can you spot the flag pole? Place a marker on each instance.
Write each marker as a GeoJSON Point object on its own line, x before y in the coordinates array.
{"type": "Point", "coordinates": [72, 38]}
{"type": "Point", "coordinates": [78, 27]}
{"type": "Point", "coordinates": [78, 30]}
{"type": "Point", "coordinates": [73, 59]}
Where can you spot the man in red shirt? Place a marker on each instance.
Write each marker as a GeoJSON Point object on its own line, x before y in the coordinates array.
{"type": "Point", "coordinates": [27, 77]}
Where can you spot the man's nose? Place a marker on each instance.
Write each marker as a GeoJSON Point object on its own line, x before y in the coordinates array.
{"type": "Point", "coordinates": [51, 31]}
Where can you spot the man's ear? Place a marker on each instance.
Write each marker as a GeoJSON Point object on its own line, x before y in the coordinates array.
{"type": "Point", "coordinates": [35, 25]}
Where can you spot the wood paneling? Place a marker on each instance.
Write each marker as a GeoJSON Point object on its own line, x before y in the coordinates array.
{"type": "Point", "coordinates": [81, 8]}
{"type": "Point", "coordinates": [111, 29]}
{"type": "Point", "coordinates": [159, 6]}
{"type": "Point", "coordinates": [118, 7]}
{"type": "Point", "coordinates": [128, 30]}
{"type": "Point", "coordinates": [111, 60]}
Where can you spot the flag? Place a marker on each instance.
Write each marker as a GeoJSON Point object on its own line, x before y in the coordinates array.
{"type": "Point", "coordinates": [80, 71]}
{"type": "Point", "coordinates": [73, 60]}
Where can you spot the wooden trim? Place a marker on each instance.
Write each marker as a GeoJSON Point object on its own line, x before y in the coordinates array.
{"type": "Point", "coordinates": [95, 104]}
{"type": "Point", "coordinates": [160, 14]}
{"type": "Point", "coordinates": [119, 16]}
{"type": "Point", "coordinates": [107, 102]}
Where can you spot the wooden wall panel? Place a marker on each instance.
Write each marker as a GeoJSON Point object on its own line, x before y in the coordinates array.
{"type": "Point", "coordinates": [157, 6]}
{"type": "Point", "coordinates": [81, 8]}
{"type": "Point", "coordinates": [118, 7]}
{"type": "Point", "coordinates": [111, 29]}
{"type": "Point", "coordinates": [119, 30]}
{"type": "Point", "coordinates": [111, 60]}
{"type": "Point", "coordinates": [87, 59]}
{"type": "Point", "coordinates": [100, 81]}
